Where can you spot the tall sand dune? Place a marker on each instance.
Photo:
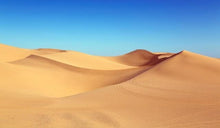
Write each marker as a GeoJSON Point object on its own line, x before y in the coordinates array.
{"type": "Point", "coordinates": [140, 58]}
{"type": "Point", "coordinates": [50, 88]}
{"type": "Point", "coordinates": [161, 97]}
{"type": "Point", "coordinates": [38, 75]}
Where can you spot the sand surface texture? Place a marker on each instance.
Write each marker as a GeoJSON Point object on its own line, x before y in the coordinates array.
{"type": "Point", "coordinates": [52, 88]}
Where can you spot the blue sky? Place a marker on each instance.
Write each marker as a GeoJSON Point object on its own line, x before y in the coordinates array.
{"type": "Point", "coordinates": [112, 27]}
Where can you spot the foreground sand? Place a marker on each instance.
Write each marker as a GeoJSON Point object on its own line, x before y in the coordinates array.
{"type": "Point", "coordinates": [49, 88]}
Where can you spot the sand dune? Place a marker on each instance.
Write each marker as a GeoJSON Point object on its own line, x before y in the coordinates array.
{"type": "Point", "coordinates": [87, 61]}
{"type": "Point", "coordinates": [136, 58]}
{"type": "Point", "coordinates": [45, 51]}
{"type": "Point", "coordinates": [8, 53]}
{"type": "Point", "coordinates": [43, 76]}
{"type": "Point", "coordinates": [194, 68]}
{"type": "Point", "coordinates": [52, 88]}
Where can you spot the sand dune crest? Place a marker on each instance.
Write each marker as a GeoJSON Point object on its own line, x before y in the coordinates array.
{"type": "Point", "coordinates": [54, 88]}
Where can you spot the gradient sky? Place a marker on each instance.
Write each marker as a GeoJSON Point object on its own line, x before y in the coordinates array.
{"type": "Point", "coordinates": [112, 27]}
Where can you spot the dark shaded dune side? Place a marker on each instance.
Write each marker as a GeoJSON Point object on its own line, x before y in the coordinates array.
{"type": "Point", "coordinates": [139, 58]}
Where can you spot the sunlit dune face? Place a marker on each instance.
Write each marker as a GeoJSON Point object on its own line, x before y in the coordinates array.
{"type": "Point", "coordinates": [52, 88]}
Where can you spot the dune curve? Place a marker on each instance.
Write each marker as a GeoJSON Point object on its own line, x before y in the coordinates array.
{"type": "Point", "coordinates": [54, 88]}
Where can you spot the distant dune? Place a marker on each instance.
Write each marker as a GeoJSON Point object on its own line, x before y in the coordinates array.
{"type": "Point", "coordinates": [52, 88]}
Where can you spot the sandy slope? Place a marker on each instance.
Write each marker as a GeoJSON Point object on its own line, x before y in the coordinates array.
{"type": "Point", "coordinates": [87, 61]}
{"type": "Point", "coordinates": [48, 88]}
{"type": "Point", "coordinates": [140, 58]}
{"type": "Point", "coordinates": [8, 53]}
{"type": "Point", "coordinates": [136, 58]}
{"type": "Point", "coordinates": [43, 76]}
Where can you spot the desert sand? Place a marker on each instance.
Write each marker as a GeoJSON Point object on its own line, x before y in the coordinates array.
{"type": "Point", "coordinates": [52, 88]}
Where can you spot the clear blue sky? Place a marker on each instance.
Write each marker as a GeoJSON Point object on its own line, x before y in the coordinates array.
{"type": "Point", "coordinates": [112, 27]}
